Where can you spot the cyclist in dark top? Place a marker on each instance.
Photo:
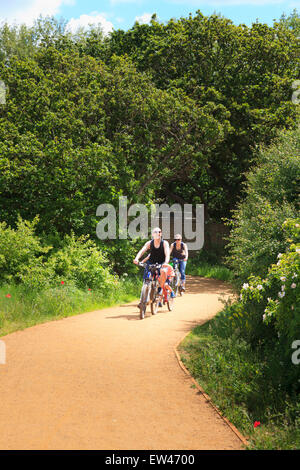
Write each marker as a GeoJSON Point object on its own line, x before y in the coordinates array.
{"type": "Point", "coordinates": [159, 253]}
{"type": "Point", "coordinates": [179, 251]}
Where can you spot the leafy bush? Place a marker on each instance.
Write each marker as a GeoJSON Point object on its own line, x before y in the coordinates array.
{"type": "Point", "coordinates": [20, 250]}
{"type": "Point", "coordinates": [271, 197]}
{"type": "Point", "coordinates": [23, 259]}
{"type": "Point", "coordinates": [36, 275]}
{"type": "Point", "coordinates": [268, 313]}
{"type": "Point", "coordinates": [81, 261]}
{"type": "Point", "coordinates": [121, 254]}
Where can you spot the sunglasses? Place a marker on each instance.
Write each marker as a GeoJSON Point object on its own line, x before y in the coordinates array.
{"type": "Point", "coordinates": [177, 239]}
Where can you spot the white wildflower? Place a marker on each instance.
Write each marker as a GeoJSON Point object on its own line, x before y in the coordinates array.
{"type": "Point", "coordinates": [293, 286]}
{"type": "Point", "coordinates": [245, 285]}
{"type": "Point", "coordinates": [281, 294]}
{"type": "Point", "coordinates": [283, 278]}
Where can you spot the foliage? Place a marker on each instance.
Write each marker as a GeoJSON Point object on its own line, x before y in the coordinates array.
{"type": "Point", "coordinates": [20, 249]}
{"type": "Point", "coordinates": [25, 260]}
{"type": "Point", "coordinates": [81, 261]}
{"type": "Point", "coordinates": [291, 22]}
{"type": "Point", "coordinates": [76, 133]}
{"type": "Point", "coordinates": [243, 73]}
{"type": "Point", "coordinates": [267, 314]}
{"type": "Point", "coordinates": [271, 196]}
{"type": "Point", "coordinates": [171, 111]}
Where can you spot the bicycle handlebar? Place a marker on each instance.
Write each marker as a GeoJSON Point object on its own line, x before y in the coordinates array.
{"type": "Point", "coordinates": [156, 265]}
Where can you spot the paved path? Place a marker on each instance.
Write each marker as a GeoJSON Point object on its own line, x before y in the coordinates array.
{"type": "Point", "coordinates": [108, 380]}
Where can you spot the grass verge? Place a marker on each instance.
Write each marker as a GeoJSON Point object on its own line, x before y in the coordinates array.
{"type": "Point", "coordinates": [21, 308]}
{"type": "Point", "coordinates": [233, 376]}
{"type": "Point", "coordinates": [204, 269]}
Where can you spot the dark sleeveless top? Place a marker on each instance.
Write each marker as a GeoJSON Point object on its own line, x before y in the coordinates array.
{"type": "Point", "coordinates": [178, 253]}
{"type": "Point", "coordinates": [157, 255]}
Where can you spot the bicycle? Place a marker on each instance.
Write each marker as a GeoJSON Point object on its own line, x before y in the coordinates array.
{"type": "Point", "coordinates": [150, 290]}
{"type": "Point", "coordinates": [177, 280]}
{"type": "Point", "coordinates": [167, 299]}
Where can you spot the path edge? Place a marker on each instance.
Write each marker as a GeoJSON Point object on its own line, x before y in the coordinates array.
{"type": "Point", "coordinates": [204, 394]}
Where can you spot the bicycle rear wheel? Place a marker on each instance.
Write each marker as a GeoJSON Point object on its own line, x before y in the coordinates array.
{"type": "Point", "coordinates": [154, 305]}
{"type": "Point", "coordinates": [177, 289]}
{"type": "Point", "coordinates": [170, 303]}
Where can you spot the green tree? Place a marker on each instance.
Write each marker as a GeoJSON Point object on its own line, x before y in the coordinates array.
{"type": "Point", "coordinates": [75, 133]}
{"type": "Point", "coordinates": [244, 72]}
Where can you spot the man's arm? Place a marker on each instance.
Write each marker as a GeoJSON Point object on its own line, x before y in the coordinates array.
{"type": "Point", "coordinates": [141, 252]}
{"type": "Point", "coordinates": [167, 252]}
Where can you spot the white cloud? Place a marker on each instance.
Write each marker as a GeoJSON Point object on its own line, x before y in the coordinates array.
{"type": "Point", "coordinates": [26, 11]}
{"type": "Point", "coordinates": [117, 2]}
{"type": "Point", "coordinates": [93, 18]}
{"type": "Point", "coordinates": [144, 19]}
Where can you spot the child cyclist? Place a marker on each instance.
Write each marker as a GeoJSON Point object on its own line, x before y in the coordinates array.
{"type": "Point", "coordinates": [159, 253]}
{"type": "Point", "coordinates": [168, 268]}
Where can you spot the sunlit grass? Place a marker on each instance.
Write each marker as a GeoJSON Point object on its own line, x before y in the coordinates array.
{"type": "Point", "coordinates": [21, 308]}
{"type": "Point", "coordinates": [231, 373]}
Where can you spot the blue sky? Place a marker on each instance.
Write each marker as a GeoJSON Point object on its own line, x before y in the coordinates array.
{"type": "Point", "coordinates": [122, 13]}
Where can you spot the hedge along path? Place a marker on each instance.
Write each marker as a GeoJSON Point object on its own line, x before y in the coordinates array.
{"type": "Point", "coordinates": [108, 380]}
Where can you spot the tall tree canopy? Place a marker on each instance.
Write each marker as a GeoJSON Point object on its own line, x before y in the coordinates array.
{"type": "Point", "coordinates": [247, 72]}
{"type": "Point", "coordinates": [169, 111]}
{"type": "Point", "coordinates": [76, 132]}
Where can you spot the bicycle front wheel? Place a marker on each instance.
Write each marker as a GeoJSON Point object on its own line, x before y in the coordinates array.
{"type": "Point", "coordinates": [144, 300]}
